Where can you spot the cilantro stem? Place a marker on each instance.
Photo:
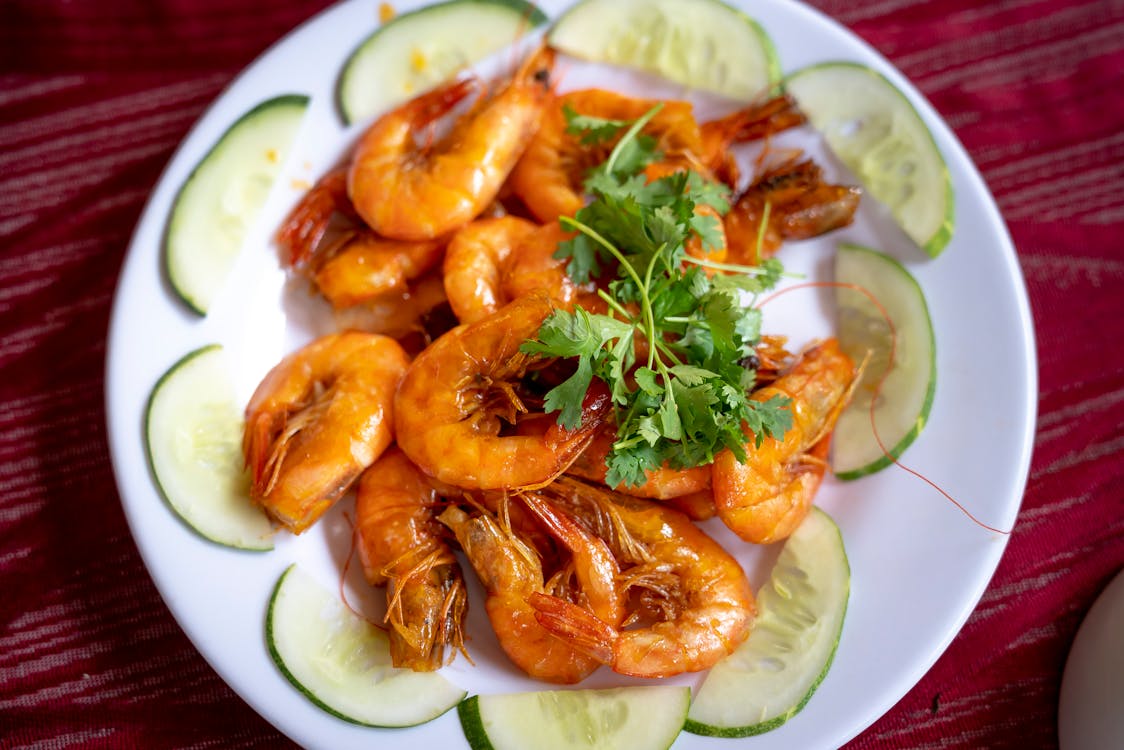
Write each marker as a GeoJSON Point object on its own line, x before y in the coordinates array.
{"type": "Point", "coordinates": [617, 306]}
{"type": "Point", "coordinates": [646, 302]}
{"type": "Point", "coordinates": [629, 442]}
{"type": "Point", "coordinates": [643, 120]}
{"type": "Point", "coordinates": [761, 230]}
{"type": "Point", "coordinates": [668, 351]}
{"type": "Point", "coordinates": [736, 268]}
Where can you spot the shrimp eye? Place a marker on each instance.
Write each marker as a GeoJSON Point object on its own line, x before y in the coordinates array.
{"type": "Point", "coordinates": [542, 75]}
{"type": "Point", "coordinates": [750, 363]}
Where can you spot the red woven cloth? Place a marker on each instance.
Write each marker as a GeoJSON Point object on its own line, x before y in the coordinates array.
{"type": "Point", "coordinates": [94, 97]}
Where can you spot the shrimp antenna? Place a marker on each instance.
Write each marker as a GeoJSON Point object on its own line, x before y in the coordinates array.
{"type": "Point", "coordinates": [343, 574]}
{"type": "Point", "coordinates": [878, 387]}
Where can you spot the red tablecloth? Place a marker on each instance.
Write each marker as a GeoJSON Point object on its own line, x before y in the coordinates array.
{"type": "Point", "coordinates": [94, 97]}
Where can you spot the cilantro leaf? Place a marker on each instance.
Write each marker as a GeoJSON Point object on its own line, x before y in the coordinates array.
{"type": "Point", "coordinates": [708, 193]}
{"type": "Point", "coordinates": [646, 379]}
{"type": "Point", "coordinates": [565, 334]}
{"type": "Point", "coordinates": [591, 130]}
{"type": "Point", "coordinates": [690, 375]}
{"type": "Point", "coordinates": [709, 229]}
{"type": "Point", "coordinates": [584, 258]}
{"type": "Point", "coordinates": [567, 397]}
{"type": "Point", "coordinates": [772, 418]}
{"type": "Point", "coordinates": [630, 464]}
{"type": "Point", "coordinates": [635, 155]}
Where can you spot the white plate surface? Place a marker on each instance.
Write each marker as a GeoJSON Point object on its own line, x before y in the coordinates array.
{"type": "Point", "coordinates": [918, 565]}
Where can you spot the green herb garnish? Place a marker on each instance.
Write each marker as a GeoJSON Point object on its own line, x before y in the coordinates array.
{"type": "Point", "coordinates": [689, 398]}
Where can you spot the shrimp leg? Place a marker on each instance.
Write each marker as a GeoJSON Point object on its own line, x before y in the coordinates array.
{"type": "Point", "coordinates": [401, 544]}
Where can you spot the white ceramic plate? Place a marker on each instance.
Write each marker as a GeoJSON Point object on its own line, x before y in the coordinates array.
{"type": "Point", "coordinates": [918, 565]}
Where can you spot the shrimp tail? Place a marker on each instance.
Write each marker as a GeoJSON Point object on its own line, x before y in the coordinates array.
{"type": "Point", "coordinates": [757, 122]}
{"type": "Point", "coordinates": [578, 627]}
{"type": "Point", "coordinates": [260, 450]}
{"type": "Point", "coordinates": [560, 526]}
{"type": "Point", "coordinates": [301, 235]}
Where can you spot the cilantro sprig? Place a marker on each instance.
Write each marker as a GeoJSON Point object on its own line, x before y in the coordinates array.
{"type": "Point", "coordinates": [688, 397]}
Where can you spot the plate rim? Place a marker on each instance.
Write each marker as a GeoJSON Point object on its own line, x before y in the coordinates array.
{"type": "Point", "coordinates": [117, 434]}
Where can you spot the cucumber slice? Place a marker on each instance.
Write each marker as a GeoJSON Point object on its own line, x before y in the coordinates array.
{"type": "Point", "coordinates": [789, 651]}
{"type": "Point", "coordinates": [631, 718]}
{"type": "Point", "coordinates": [341, 662]}
{"type": "Point", "coordinates": [877, 133]}
{"type": "Point", "coordinates": [704, 44]}
{"type": "Point", "coordinates": [222, 197]}
{"type": "Point", "coordinates": [193, 437]}
{"type": "Point", "coordinates": [907, 392]}
{"type": "Point", "coordinates": [414, 52]}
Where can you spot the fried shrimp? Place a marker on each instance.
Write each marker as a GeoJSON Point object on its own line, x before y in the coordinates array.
{"type": "Point", "coordinates": [403, 547]}
{"type": "Point", "coordinates": [457, 394]}
{"type": "Point", "coordinates": [698, 605]}
{"type": "Point", "coordinates": [764, 499]}
{"type": "Point", "coordinates": [368, 267]}
{"type": "Point", "coordinates": [396, 314]}
{"type": "Point", "coordinates": [476, 264]}
{"type": "Point", "coordinates": [407, 192]}
{"type": "Point", "coordinates": [317, 420]}
{"type": "Point", "coordinates": [511, 571]}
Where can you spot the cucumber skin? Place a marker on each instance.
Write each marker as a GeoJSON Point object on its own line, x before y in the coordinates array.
{"type": "Point", "coordinates": [930, 394]}
{"type": "Point", "coordinates": [534, 15]}
{"type": "Point", "coordinates": [275, 655]}
{"type": "Point", "coordinates": [895, 452]}
{"type": "Point", "coordinates": [468, 711]}
{"type": "Point", "coordinates": [152, 464]}
{"type": "Point", "coordinates": [775, 72]}
{"type": "Point", "coordinates": [936, 243]}
{"type": "Point", "coordinates": [283, 100]}
{"type": "Point", "coordinates": [707, 730]}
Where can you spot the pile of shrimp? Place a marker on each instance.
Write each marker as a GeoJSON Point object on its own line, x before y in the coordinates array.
{"type": "Point", "coordinates": [437, 254]}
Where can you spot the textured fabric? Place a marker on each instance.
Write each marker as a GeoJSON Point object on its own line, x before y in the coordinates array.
{"type": "Point", "coordinates": [94, 97]}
